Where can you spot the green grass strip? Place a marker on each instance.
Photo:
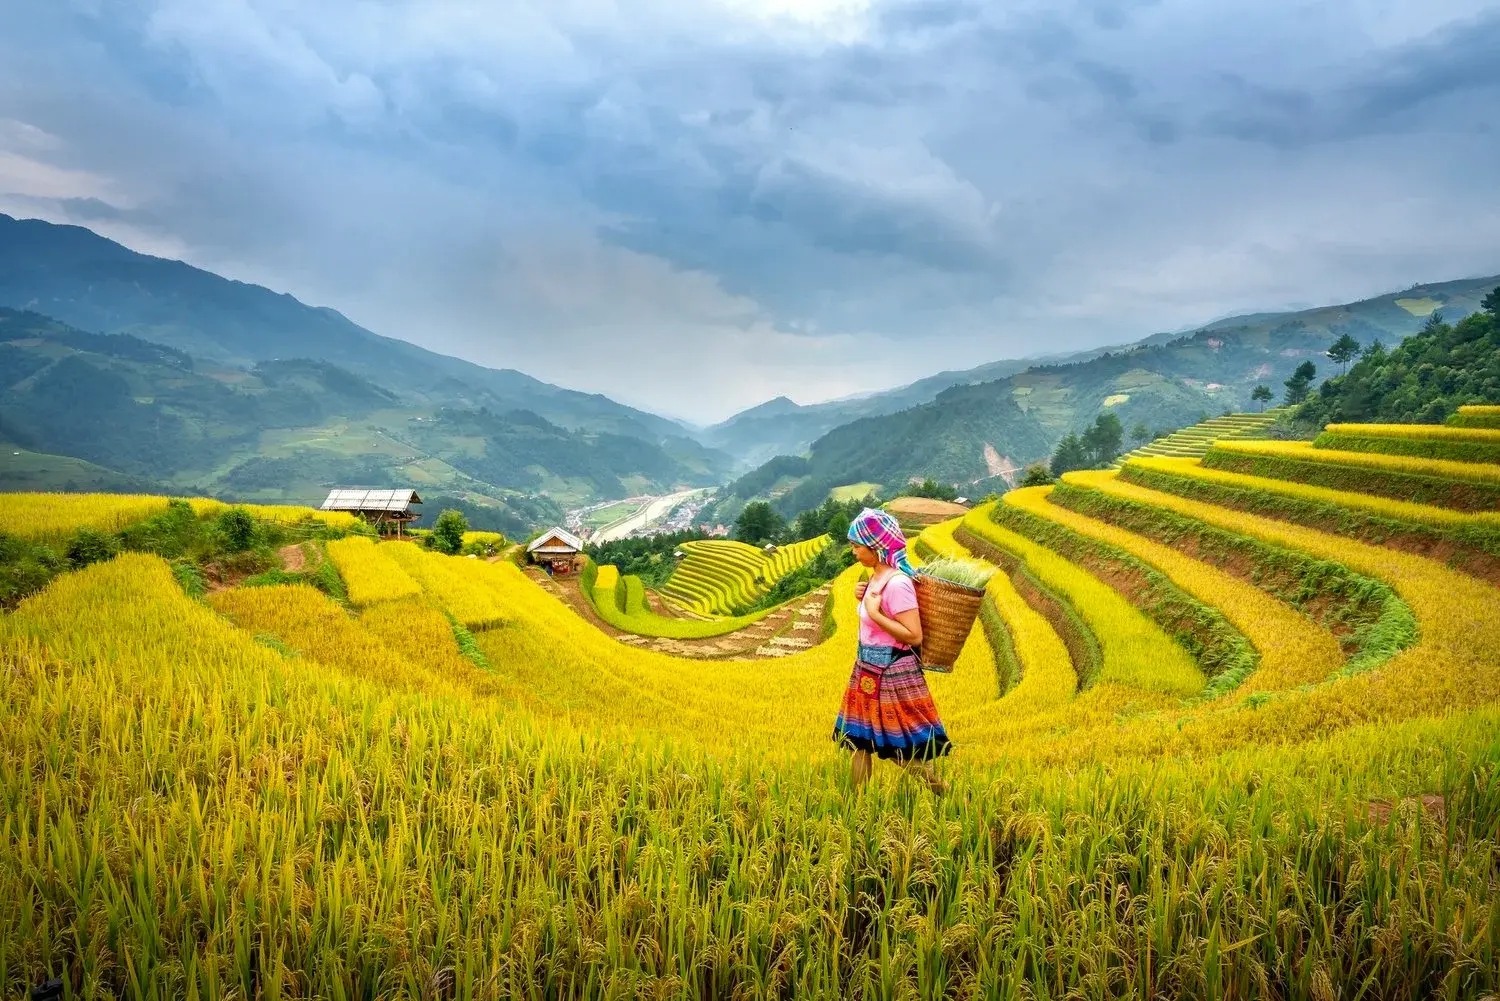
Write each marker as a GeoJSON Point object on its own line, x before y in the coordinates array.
{"type": "Point", "coordinates": [1050, 603]}
{"type": "Point", "coordinates": [1448, 540]}
{"type": "Point", "coordinates": [467, 644]}
{"type": "Point", "coordinates": [624, 607]}
{"type": "Point", "coordinates": [1483, 416]}
{"type": "Point", "coordinates": [1307, 467]}
{"type": "Point", "coordinates": [1375, 623]}
{"type": "Point", "coordinates": [1421, 446]}
{"type": "Point", "coordinates": [1226, 656]}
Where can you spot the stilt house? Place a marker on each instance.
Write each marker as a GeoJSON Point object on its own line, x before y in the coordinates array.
{"type": "Point", "coordinates": [381, 508]}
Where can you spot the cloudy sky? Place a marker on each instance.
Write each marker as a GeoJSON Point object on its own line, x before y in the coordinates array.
{"type": "Point", "coordinates": [697, 206]}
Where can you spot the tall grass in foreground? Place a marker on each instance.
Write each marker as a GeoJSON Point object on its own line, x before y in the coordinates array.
{"type": "Point", "coordinates": [190, 813]}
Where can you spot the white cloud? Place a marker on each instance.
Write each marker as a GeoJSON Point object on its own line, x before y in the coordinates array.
{"type": "Point", "coordinates": [721, 200]}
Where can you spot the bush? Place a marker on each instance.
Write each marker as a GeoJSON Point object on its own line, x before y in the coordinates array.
{"type": "Point", "coordinates": [237, 529]}
{"type": "Point", "coordinates": [448, 532]}
{"type": "Point", "coordinates": [1036, 475]}
{"type": "Point", "coordinates": [88, 546]}
{"type": "Point", "coordinates": [930, 489]}
{"type": "Point", "coordinates": [25, 568]}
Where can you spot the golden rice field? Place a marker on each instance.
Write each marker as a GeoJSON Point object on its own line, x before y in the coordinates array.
{"type": "Point", "coordinates": [42, 516]}
{"type": "Point", "coordinates": [370, 572]}
{"type": "Point", "coordinates": [281, 514]}
{"type": "Point", "coordinates": [718, 575]}
{"type": "Point", "coordinates": [268, 793]}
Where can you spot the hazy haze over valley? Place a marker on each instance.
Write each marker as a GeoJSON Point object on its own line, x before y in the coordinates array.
{"type": "Point", "coordinates": [697, 208]}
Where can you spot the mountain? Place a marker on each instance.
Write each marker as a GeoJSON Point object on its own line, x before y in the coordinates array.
{"type": "Point", "coordinates": [113, 411]}
{"type": "Point", "coordinates": [971, 432]}
{"type": "Point", "coordinates": [1422, 380]}
{"type": "Point", "coordinates": [781, 427]}
{"type": "Point", "coordinates": [91, 283]}
{"type": "Point", "coordinates": [153, 373]}
{"type": "Point", "coordinates": [84, 411]}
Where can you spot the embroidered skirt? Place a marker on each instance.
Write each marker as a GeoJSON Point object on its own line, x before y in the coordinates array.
{"type": "Point", "coordinates": [887, 708]}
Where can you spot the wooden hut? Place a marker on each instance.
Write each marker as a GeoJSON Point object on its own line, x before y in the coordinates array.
{"type": "Point", "coordinates": [381, 508]}
{"type": "Point", "coordinates": [556, 549]}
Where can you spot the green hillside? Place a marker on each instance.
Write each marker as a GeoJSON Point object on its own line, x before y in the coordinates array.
{"type": "Point", "coordinates": [114, 412]}
{"type": "Point", "coordinates": [1203, 372]}
{"type": "Point", "coordinates": [94, 284]}
{"type": "Point", "coordinates": [1424, 379]}
{"type": "Point", "coordinates": [968, 432]}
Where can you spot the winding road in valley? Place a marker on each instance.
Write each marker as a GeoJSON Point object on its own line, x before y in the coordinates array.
{"type": "Point", "coordinates": [653, 511]}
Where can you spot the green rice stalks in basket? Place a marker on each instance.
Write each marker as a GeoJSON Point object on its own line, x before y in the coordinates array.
{"type": "Point", "coordinates": [965, 573]}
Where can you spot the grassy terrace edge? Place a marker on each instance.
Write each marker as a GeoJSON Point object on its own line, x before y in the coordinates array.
{"type": "Point", "coordinates": [1372, 621]}
{"type": "Point", "coordinates": [1055, 607]}
{"type": "Point", "coordinates": [1309, 467]}
{"type": "Point", "coordinates": [1424, 441]}
{"type": "Point", "coordinates": [1467, 542]}
{"type": "Point", "coordinates": [624, 607]}
{"type": "Point", "coordinates": [1224, 654]}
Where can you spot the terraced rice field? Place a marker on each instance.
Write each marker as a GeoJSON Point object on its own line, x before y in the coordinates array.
{"type": "Point", "coordinates": [717, 576]}
{"type": "Point", "coordinates": [1193, 442]}
{"type": "Point", "coordinates": [1218, 734]}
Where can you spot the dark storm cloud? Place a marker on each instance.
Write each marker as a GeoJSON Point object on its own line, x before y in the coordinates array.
{"type": "Point", "coordinates": [604, 195]}
{"type": "Point", "coordinates": [1402, 89]}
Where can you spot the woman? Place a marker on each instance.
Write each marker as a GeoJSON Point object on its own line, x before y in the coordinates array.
{"type": "Point", "coordinates": [887, 708]}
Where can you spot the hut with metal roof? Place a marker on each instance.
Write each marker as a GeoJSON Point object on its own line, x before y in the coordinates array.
{"type": "Point", "coordinates": [381, 508]}
{"type": "Point", "coordinates": [556, 549]}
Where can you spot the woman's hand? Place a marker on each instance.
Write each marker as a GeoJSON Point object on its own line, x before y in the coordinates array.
{"type": "Point", "coordinates": [871, 598]}
{"type": "Point", "coordinates": [860, 589]}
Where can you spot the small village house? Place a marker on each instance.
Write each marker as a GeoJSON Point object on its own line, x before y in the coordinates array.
{"type": "Point", "coordinates": [387, 510]}
{"type": "Point", "coordinates": [556, 549]}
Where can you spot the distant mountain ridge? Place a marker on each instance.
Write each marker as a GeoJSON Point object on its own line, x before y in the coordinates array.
{"type": "Point", "coordinates": [781, 427]}
{"type": "Point", "coordinates": [1164, 381]}
{"type": "Point", "coordinates": [86, 281]}
{"type": "Point", "coordinates": [137, 415]}
{"type": "Point", "coordinates": [152, 372]}
{"type": "Point", "coordinates": [155, 371]}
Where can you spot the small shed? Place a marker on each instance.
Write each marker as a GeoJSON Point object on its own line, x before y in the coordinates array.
{"type": "Point", "coordinates": [380, 508]}
{"type": "Point", "coordinates": [556, 549]}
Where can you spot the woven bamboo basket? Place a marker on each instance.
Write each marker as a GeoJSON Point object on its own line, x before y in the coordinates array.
{"type": "Point", "coordinates": [948, 611]}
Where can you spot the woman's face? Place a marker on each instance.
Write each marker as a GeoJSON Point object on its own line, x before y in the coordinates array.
{"type": "Point", "coordinates": [865, 555]}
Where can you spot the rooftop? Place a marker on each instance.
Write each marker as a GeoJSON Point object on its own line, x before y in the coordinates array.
{"type": "Point", "coordinates": [359, 499]}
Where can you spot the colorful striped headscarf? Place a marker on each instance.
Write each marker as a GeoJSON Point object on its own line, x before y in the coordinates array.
{"type": "Point", "coordinates": [880, 531]}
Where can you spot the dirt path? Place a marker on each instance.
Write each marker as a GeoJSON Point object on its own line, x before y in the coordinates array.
{"type": "Point", "coordinates": [795, 626]}
{"type": "Point", "coordinates": [293, 557]}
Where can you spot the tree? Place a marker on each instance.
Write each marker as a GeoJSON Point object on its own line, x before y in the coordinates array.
{"type": "Point", "coordinates": [237, 528]}
{"type": "Point", "coordinates": [1140, 434]}
{"type": "Point", "coordinates": [931, 489]}
{"type": "Point", "coordinates": [837, 525]}
{"type": "Point", "coordinates": [1036, 475]}
{"type": "Point", "coordinates": [1343, 350]}
{"type": "Point", "coordinates": [1301, 381]}
{"type": "Point", "coordinates": [1261, 395]}
{"type": "Point", "coordinates": [1491, 303]}
{"type": "Point", "coordinates": [448, 532]}
{"type": "Point", "coordinates": [1069, 455]}
{"type": "Point", "coordinates": [1103, 440]}
{"type": "Point", "coordinates": [759, 523]}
